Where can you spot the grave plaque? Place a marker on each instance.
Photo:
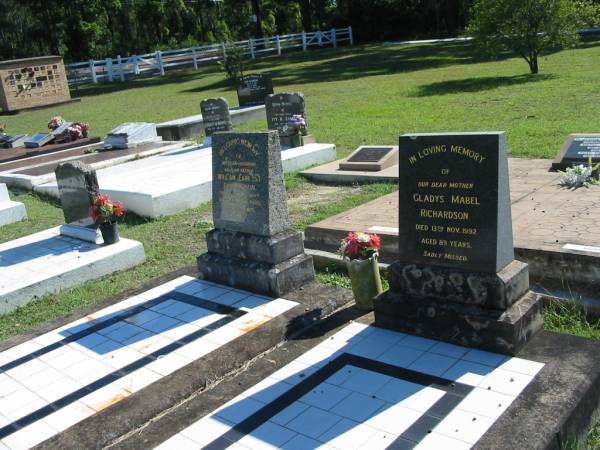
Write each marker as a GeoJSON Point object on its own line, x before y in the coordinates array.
{"type": "Point", "coordinates": [252, 246]}
{"type": "Point", "coordinates": [457, 279]}
{"type": "Point", "coordinates": [281, 107]}
{"type": "Point", "coordinates": [215, 115]}
{"type": "Point", "coordinates": [577, 149]}
{"type": "Point", "coordinates": [78, 187]}
{"type": "Point", "coordinates": [252, 89]}
{"type": "Point", "coordinates": [372, 158]}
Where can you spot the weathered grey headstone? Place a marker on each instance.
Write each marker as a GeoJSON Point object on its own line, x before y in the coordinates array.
{"type": "Point", "coordinates": [215, 115]}
{"type": "Point", "coordinates": [252, 246]}
{"type": "Point", "coordinates": [281, 107]}
{"type": "Point", "coordinates": [457, 278]}
{"type": "Point", "coordinates": [78, 187]}
{"type": "Point", "coordinates": [578, 149]}
{"type": "Point", "coordinates": [129, 135]}
{"type": "Point", "coordinates": [252, 89]}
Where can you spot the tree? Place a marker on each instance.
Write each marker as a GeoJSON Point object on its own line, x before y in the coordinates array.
{"type": "Point", "coordinates": [526, 27]}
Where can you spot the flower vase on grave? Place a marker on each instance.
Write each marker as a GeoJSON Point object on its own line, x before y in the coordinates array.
{"type": "Point", "coordinates": [296, 140]}
{"type": "Point", "coordinates": [110, 232]}
{"type": "Point", "coordinates": [365, 280]}
{"type": "Point", "coordinates": [360, 250]}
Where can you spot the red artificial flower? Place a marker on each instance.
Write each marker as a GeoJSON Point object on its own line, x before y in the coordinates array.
{"type": "Point", "coordinates": [358, 245]}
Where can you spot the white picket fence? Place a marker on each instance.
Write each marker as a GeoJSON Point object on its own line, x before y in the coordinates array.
{"type": "Point", "coordinates": [119, 68]}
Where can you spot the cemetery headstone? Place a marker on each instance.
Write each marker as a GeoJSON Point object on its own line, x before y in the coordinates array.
{"type": "Point", "coordinates": [78, 187]}
{"type": "Point", "coordinates": [18, 140]}
{"type": "Point", "coordinates": [39, 139]}
{"type": "Point", "coordinates": [252, 245]}
{"type": "Point", "coordinates": [457, 279]}
{"type": "Point", "coordinates": [215, 115]}
{"type": "Point", "coordinates": [577, 149]}
{"type": "Point", "coordinates": [129, 135]}
{"type": "Point", "coordinates": [253, 89]}
{"type": "Point", "coordinates": [371, 158]}
{"type": "Point", "coordinates": [281, 107]}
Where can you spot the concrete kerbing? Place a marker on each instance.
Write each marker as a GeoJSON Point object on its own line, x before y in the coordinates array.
{"type": "Point", "coordinates": [11, 212]}
{"type": "Point", "coordinates": [135, 412]}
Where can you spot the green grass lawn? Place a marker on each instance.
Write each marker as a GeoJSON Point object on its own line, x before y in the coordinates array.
{"type": "Point", "coordinates": [373, 93]}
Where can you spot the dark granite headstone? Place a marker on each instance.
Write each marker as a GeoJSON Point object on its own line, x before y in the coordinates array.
{"type": "Point", "coordinates": [77, 187]}
{"type": "Point", "coordinates": [215, 115]}
{"type": "Point", "coordinates": [253, 89]}
{"type": "Point", "coordinates": [577, 149]}
{"type": "Point", "coordinates": [281, 107]}
{"type": "Point", "coordinates": [252, 246]}
{"type": "Point", "coordinates": [457, 279]}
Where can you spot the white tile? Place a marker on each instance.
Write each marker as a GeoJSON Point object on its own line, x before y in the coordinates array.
{"type": "Point", "coordinates": [381, 440]}
{"type": "Point", "coordinates": [59, 389]}
{"type": "Point", "coordinates": [347, 435]}
{"type": "Point", "coordinates": [325, 396]}
{"type": "Point", "coordinates": [366, 381]}
{"type": "Point", "coordinates": [436, 441]}
{"type": "Point", "coordinates": [318, 356]}
{"type": "Point", "coordinates": [161, 324]}
{"type": "Point", "coordinates": [289, 413]}
{"type": "Point", "coordinates": [27, 369]}
{"type": "Point", "coordinates": [104, 397]}
{"type": "Point", "coordinates": [24, 409]}
{"type": "Point", "coordinates": [487, 403]}
{"type": "Point", "coordinates": [249, 322]}
{"type": "Point", "coordinates": [453, 351]}
{"type": "Point", "coordinates": [197, 349]}
{"type": "Point", "coordinates": [505, 382]}
{"type": "Point", "coordinates": [121, 357]}
{"type": "Point", "coordinates": [49, 338]}
{"type": "Point", "coordinates": [267, 390]}
{"type": "Point", "coordinates": [468, 372]}
{"type": "Point", "coordinates": [212, 293]}
{"type": "Point", "coordinates": [8, 386]}
{"type": "Point", "coordinates": [238, 409]}
{"type": "Point", "coordinates": [294, 372]}
{"type": "Point", "coordinates": [41, 379]}
{"type": "Point", "coordinates": [267, 436]}
{"type": "Point", "coordinates": [168, 364]}
{"type": "Point", "coordinates": [207, 429]}
{"type": "Point", "coordinates": [300, 442]}
{"type": "Point", "coordinates": [522, 366]}
{"type": "Point", "coordinates": [66, 359]}
{"type": "Point", "coordinates": [418, 342]}
{"type": "Point", "coordinates": [223, 335]}
{"type": "Point", "coordinates": [313, 422]}
{"type": "Point", "coordinates": [125, 332]}
{"type": "Point", "coordinates": [200, 317]}
{"type": "Point", "coordinates": [89, 342]}
{"type": "Point", "coordinates": [251, 302]}
{"type": "Point", "coordinates": [357, 328]}
{"type": "Point", "coordinates": [29, 436]}
{"type": "Point", "coordinates": [178, 442]}
{"type": "Point", "coordinates": [340, 341]}
{"type": "Point", "coordinates": [483, 357]}
{"type": "Point", "coordinates": [142, 317]}
{"type": "Point", "coordinates": [425, 399]}
{"type": "Point", "coordinates": [137, 380]}
{"type": "Point", "coordinates": [229, 298]}
{"type": "Point", "coordinates": [358, 407]}
{"type": "Point", "coordinates": [69, 415]}
{"type": "Point", "coordinates": [393, 418]}
{"type": "Point", "coordinates": [399, 391]}
{"type": "Point", "coordinates": [151, 345]}
{"type": "Point", "coordinates": [370, 347]}
{"type": "Point", "coordinates": [432, 364]}
{"type": "Point", "coordinates": [16, 400]}
{"type": "Point", "coordinates": [400, 356]}
{"type": "Point", "coordinates": [190, 287]}
{"type": "Point", "coordinates": [464, 426]}
{"type": "Point", "coordinates": [340, 377]}
{"type": "Point", "coordinates": [275, 307]}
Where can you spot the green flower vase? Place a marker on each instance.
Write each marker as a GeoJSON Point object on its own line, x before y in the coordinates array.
{"type": "Point", "coordinates": [365, 279]}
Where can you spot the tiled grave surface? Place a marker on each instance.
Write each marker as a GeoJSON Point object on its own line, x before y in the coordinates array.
{"type": "Point", "coordinates": [62, 377]}
{"type": "Point", "coordinates": [46, 262]}
{"type": "Point", "coordinates": [179, 180]}
{"type": "Point", "coordinates": [368, 388]}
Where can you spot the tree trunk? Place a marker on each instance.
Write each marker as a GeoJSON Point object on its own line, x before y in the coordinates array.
{"type": "Point", "coordinates": [306, 15]}
{"type": "Point", "coordinates": [533, 64]}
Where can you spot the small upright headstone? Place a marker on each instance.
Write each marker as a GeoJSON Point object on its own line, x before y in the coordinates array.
{"type": "Point", "coordinates": [215, 115]}
{"type": "Point", "coordinates": [281, 107]}
{"type": "Point", "coordinates": [578, 149]}
{"type": "Point", "coordinates": [253, 245]}
{"type": "Point", "coordinates": [253, 89]}
{"type": "Point", "coordinates": [457, 278]}
{"type": "Point", "coordinates": [78, 187]}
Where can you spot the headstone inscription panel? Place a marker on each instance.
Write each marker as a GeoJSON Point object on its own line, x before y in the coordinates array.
{"type": "Point", "coordinates": [371, 158]}
{"type": "Point", "coordinates": [215, 115]}
{"type": "Point", "coordinates": [457, 279]}
{"type": "Point", "coordinates": [253, 89]}
{"type": "Point", "coordinates": [248, 188]}
{"type": "Point", "coordinates": [454, 201]}
{"type": "Point", "coordinates": [78, 187]}
{"type": "Point", "coordinates": [252, 245]}
{"type": "Point", "coordinates": [578, 149]}
{"type": "Point", "coordinates": [281, 107]}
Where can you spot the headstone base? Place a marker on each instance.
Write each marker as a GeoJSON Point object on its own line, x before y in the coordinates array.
{"type": "Point", "coordinates": [262, 278]}
{"type": "Point", "coordinates": [502, 331]}
{"type": "Point", "coordinates": [85, 234]}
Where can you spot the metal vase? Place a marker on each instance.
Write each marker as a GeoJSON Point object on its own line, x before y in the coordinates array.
{"type": "Point", "coordinates": [365, 279]}
{"type": "Point", "coordinates": [110, 233]}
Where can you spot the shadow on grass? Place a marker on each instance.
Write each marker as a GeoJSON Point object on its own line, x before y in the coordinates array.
{"type": "Point", "coordinates": [477, 84]}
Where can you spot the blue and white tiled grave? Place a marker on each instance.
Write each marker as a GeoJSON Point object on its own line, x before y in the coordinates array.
{"type": "Point", "coordinates": [69, 374]}
{"type": "Point", "coordinates": [368, 388]}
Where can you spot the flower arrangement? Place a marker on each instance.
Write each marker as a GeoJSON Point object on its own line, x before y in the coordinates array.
{"type": "Point", "coordinates": [78, 130]}
{"type": "Point", "coordinates": [55, 122]}
{"type": "Point", "coordinates": [580, 175]}
{"type": "Point", "coordinates": [359, 245]}
{"type": "Point", "coordinates": [297, 124]}
{"type": "Point", "coordinates": [106, 210]}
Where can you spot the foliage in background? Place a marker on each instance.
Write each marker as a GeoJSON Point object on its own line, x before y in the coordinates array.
{"type": "Point", "coordinates": [528, 28]}
{"type": "Point", "coordinates": [233, 65]}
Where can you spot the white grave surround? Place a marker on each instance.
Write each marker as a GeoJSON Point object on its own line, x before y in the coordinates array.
{"type": "Point", "coordinates": [62, 377]}
{"type": "Point", "coordinates": [29, 182]}
{"type": "Point", "coordinates": [181, 179]}
{"type": "Point", "coordinates": [10, 212]}
{"type": "Point", "coordinates": [368, 388]}
{"type": "Point", "coordinates": [47, 262]}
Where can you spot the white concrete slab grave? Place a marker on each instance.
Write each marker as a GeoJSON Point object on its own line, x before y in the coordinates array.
{"type": "Point", "coordinates": [10, 212]}
{"type": "Point", "coordinates": [368, 388]}
{"type": "Point", "coordinates": [58, 379]}
{"type": "Point", "coordinates": [181, 179]}
{"type": "Point", "coordinates": [47, 262]}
